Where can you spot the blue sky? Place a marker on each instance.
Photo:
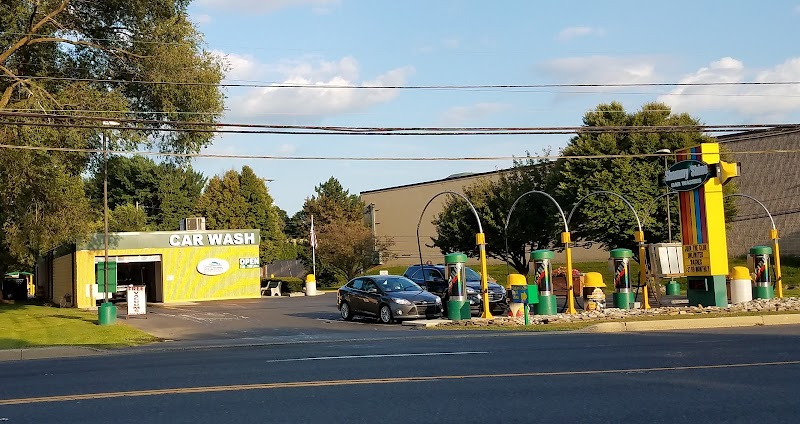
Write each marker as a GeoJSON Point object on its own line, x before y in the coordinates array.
{"type": "Point", "coordinates": [454, 42]}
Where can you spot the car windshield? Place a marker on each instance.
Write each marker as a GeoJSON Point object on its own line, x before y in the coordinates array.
{"type": "Point", "coordinates": [399, 284]}
{"type": "Point", "coordinates": [472, 275]}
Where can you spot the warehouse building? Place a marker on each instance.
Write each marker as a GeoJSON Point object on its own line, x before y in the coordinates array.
{"type": "Point", "coordinates": [178, 266]}
{"type": "Point", "coordinates": [394, 212]}
{"type": "Point", "coordinates": [772, 178]}
{"type": "Point", "coordinates": [770, 172]}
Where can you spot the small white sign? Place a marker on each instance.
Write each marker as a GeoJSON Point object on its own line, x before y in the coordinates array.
{"type": "Point", "coordinates": [137, 300]}
{"type": "Point", "coordinates": [247, 263]}
{"type": "Point", "coordinates": [213, 266]}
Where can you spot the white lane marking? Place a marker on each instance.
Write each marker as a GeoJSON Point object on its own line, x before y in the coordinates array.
{"type": "Point", "coordinates": [388, 355]}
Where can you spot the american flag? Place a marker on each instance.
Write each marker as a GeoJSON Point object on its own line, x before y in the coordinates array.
{"type": "Point", "coordinates": [313, 238]}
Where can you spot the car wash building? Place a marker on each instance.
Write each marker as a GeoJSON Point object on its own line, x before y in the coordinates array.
{"type": "Point", "coordinates": [173, 266]}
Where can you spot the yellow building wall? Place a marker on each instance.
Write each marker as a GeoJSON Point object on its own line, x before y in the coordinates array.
{"type": "Point", "coordinates": [62, 278]}
{"type": "Point", "coordinates": [179, 277]}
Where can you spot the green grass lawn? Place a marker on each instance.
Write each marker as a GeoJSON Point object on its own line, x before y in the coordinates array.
{"type": "Point", "coordinates": [33, 325]}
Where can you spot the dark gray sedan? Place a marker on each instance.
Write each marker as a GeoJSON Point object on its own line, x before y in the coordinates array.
{"type": "Point", "coordinates": [388, 298]}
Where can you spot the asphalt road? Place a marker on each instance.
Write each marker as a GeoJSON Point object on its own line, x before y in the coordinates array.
{"type": "Point", "coordinates": [734, 375]}
{"type": "Point", "coordinates": [268, 319]}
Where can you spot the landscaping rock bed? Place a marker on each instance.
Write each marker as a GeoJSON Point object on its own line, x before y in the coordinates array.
{"type": "Point", "coordinates": [610, 314]}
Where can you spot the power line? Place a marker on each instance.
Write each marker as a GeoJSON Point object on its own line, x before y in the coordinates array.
{"type": "Point", "coordinates": [216, 127]}
{"type": "Point", "coordinates": [360, 158]}
{"type": "Point", "coordinates": [278, 84]}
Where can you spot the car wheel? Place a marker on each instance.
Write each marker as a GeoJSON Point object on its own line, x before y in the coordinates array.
{"type": "Point", "coordinates": [499, 308]}
{"type": "Point", "coordinates": [385, 314]}
{"type": "Point", "coordinates": [345, 311]}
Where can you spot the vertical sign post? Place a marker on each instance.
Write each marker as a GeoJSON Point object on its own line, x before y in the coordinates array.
{"type": "Point", "coordinates": [698, 176]}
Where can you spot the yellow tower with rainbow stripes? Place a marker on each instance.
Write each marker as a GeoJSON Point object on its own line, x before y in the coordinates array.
{"type": "Point", "coordinates": [698, 177]}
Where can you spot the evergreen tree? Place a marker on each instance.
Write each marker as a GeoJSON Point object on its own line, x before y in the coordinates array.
{"type": "Point", "coordinates": [242, 201]}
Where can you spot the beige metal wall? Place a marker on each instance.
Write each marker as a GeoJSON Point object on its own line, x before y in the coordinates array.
{"type": "Point", "coordinates": [398, 211]}
{"type": "Point", "coordinates": [773, 179]}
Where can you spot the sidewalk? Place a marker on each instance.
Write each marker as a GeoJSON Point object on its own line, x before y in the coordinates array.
{"type": "Point", "coordinates": [48, 352]}
{"type": "Point", "coordinates": [693, 323]}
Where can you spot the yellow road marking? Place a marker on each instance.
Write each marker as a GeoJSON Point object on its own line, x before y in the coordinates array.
{"type": "Point", "coordinates": [286, 385]}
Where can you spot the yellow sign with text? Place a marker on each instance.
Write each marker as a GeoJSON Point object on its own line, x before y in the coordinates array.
{"type": "Point", "coordinates": [697, 259]}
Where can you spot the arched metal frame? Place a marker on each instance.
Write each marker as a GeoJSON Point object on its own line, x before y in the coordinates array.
{"type": "Point", "coordinates": [513, 206]}
{"type": "Point", "coordinates": [480, 227]}
{"type": "Point", "coordinates": [641, 243]}
{"type": "Point", "coordinates": [574, 208]}
{"type": "Point", "coordinates": [774, 235]}
{"type": "Point", "coordinates": [481, 248]}
{"type": "Point", "coordinates": [757, 201]}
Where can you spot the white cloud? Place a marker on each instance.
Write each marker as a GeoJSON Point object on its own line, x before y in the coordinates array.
{"type": "Point", "coordinates": [202, 19]}
{"type": "Point", "coordinates": [750, 101]}
{"type": "Point", "coordinates": [240, 67]}
{"type": "Point", "coordinates": [286, 149]}
{"type": "Point", "coordinates": [602, 69]}
{"type": "Point", "coordinates": [463, 115]}
{"type": "Point", "coordinates": [267, 6]}
{"type": "Point", "coordinates": [305, 104]}
{"type": "Point", "coordinates": [569, 33]}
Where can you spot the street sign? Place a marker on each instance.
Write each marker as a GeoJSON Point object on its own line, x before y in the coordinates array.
{"type": "Point", "coordinates": [137, 301]}
{"type": "Point", "coordinates": [688, 175]}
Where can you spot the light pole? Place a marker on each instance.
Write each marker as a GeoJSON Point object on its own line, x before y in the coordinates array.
{"type": "Point", "coordinates": [106, 312]}
{"type": "Point", "coordinates": [666, 152]}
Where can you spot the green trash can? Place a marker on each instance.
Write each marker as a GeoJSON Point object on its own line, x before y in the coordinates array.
{"type": "Point", "coordinates": [107, 314]}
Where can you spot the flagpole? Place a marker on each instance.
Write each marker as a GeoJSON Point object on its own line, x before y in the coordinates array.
{"type": "Point", "coordinates": [313, 249]}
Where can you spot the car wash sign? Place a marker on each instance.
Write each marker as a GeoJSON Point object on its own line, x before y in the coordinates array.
{"type": "Point", "coordinates": [687, 175]}
{"type": "Point", "coordinates": [212, 239]}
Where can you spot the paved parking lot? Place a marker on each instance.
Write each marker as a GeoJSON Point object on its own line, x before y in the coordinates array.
{"type": "Point", "coordinates": [252, 319]}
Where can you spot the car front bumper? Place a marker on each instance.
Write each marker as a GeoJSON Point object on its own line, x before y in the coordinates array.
{"type": "Point", "coordinates": [416, 311]}
{"type": "Point", "coordinates": [495, 298]}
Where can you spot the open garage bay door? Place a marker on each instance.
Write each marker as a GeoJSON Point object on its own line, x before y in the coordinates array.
{"type": "Point", "coordinates": [138, 270]}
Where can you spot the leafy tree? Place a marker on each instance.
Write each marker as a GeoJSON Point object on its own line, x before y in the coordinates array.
{"type": "Point", "coordinates": [131, 180]}
{"type": "Point", "coordinates": [64, 57]}
{"type": "Point", "coordinates": [243, 201]}
{"type": "Point", "coordinates": [262, 214]}
{"type": "Point", "coordinates": [41, 205]}
{"type": "Point", "coordinates": [341, 233]}
{"type": "Point", "coordinates": [178, 191]}
{"type": "Point", "coordinates": [534, 224]}
{"type": "Point", "coordinates": [332, 202]}
{"type": "Point", "coordinates": [348, 247]}
{"type": "Point", "coordinates": [165, 192]}
{"type": "Point", "coordinates": [127, 217]}
{"type": "Point", "coordinates": [293, 226]}
{"type": "Point", "coordinates": [222, 203]}
{"type": "Point", "coordinates": [606, 219]}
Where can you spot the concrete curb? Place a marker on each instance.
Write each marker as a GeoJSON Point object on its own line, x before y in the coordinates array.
{"type": "Point", "coordinates": [48, 352]}
{"type": "Point", "coordinates": [423, 322]}
{"type": "Point", "coordinates": [693, 323]}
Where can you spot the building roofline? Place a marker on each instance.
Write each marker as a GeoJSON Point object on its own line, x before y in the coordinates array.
{"type": "Point", "coordinates": [454, 177]}
{"type": "Point", "coordinates": [757, 133]}
{"type": "Point", "coordinates": [725, 138]}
